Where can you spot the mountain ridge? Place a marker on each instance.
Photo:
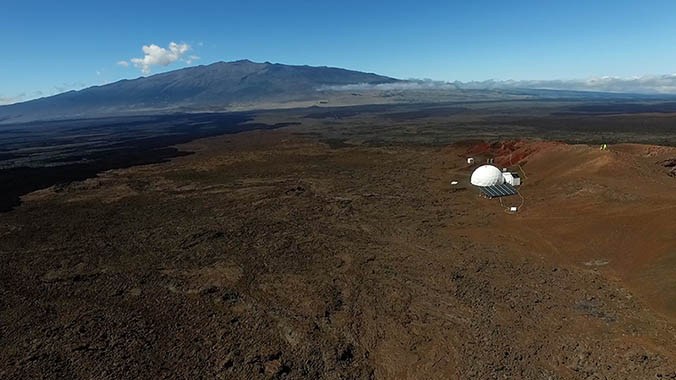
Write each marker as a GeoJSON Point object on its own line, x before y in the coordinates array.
{"type": "Point", "coordinates": [201, 87]}
{"type": "Point", "coordinates": [245, 85]}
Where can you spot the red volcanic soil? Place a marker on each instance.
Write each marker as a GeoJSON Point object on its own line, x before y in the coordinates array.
{"type": "Point", "coordinates": [508, 153]}
{"type": "Point", "coordinates": [609, 210]}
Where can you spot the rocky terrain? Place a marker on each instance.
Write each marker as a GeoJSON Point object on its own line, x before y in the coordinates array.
{"type": "Point", "coordinates": [273, 254]}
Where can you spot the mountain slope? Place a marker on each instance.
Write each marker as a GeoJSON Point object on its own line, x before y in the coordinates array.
{"type": "Point", "coordinates": [199, 87]}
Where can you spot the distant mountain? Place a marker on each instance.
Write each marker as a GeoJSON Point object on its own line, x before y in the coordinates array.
{"type": "Point", "coordinates": [213, 86]}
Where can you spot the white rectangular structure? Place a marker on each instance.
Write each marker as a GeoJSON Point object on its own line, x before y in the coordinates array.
{"type": "Point", "coordinates": [470, 160]}
{"type": "Point", "coordinates": [512, 178]}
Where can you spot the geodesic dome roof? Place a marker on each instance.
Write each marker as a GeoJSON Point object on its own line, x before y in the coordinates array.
{"type": "Point", "coordinates": [487, 175]}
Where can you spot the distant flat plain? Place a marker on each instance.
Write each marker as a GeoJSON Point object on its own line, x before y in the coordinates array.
{"type": "Point", "coordinates": [41, 154]}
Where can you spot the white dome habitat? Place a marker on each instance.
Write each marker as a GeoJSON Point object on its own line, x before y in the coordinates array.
{"type": "Point", "coordinates": [487, 175]}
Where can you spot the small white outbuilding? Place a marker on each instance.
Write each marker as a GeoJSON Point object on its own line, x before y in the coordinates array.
{"type": "Point", "coordinates": [470, 160]}
{"type": "Point", "coordinates": [487, 175]}
{"type": "Point", "coordinates": [512, 178]}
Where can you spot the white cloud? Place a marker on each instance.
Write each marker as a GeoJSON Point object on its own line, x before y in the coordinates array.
{"type": "Point", "coordinates": [191, 59]}
{"type": "Point", "coordinates": [409, 84]}
{"type": "Point", "coordinates": [650, 84]}
{"type": "Point", "coordinates": [158, 56]}
{"type": "Point", "coordinates": [123, 63]}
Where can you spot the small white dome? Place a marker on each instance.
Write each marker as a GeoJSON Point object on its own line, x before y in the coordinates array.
{"type": "Point", "coordinates": [487, 175]}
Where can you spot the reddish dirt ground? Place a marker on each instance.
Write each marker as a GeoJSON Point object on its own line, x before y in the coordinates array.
{"type": "Point", "coordinates": [613, 210]}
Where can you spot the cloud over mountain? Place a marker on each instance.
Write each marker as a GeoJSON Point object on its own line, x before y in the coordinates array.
{"type": "Point", "coordinates": [409, 84]}
{"type": "Point", "coordinates": [652, 84]}
{"type": "Point", "coordinates": [158, 56]}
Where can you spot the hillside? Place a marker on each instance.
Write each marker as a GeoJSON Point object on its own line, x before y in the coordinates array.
{"type": "Point", "coordinates": [213, 86]}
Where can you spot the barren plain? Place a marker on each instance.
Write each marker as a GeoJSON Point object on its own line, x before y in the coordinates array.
{"type": "Point", "coordinates": [337, 248]}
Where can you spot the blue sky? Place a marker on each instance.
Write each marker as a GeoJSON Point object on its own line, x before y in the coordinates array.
{"type": "Point", "coordinates": [50, 47]}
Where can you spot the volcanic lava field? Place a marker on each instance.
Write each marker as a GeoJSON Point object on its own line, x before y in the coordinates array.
{"type": "Point", "coordinates": [331, 244]}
